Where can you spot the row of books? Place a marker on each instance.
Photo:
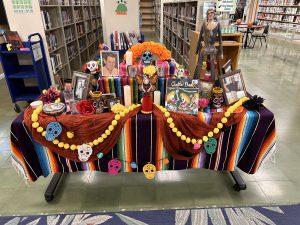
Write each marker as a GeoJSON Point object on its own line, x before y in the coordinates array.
{"type": "Point", "coordinates": [66, 16]}
{"type": "Point", "coordinates": [78, 15]}
{"type": "Point", "coordinates": [56, 63]}
{"type": "Point", "coordinates": [51, 41]}
{"type": "Point", "coordinates": [69, 34]}
{"type": "Point", "coordinates": [80, 29]}
{"type": "Point", "coordinates": [72, 51]}
{"type": "Point", "coordinates": [46, 20]}
{"type": "Point", "coordinates": [124, 40]}
{"type": "Point", "coordinates": [91, 38]}
{"type": "Point", "coordinates": [82, 43]}
{"type": "Point", "coordinates": [191, 13]}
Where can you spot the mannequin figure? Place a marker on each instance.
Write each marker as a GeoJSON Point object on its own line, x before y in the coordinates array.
{"type": "Point", "coordinates": [208, 35]}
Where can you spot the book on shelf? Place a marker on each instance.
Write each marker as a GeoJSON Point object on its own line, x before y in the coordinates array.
{"type": "Point", "coordinates": [124, 40]}
{"type": "Point", "coordinates": [13, 38]}
{"type": "Point", "coordinates": [66, 16]}
{"type": "Point", "coordinates": [80, 29]}
{"type": "Point", "coordinates": [78, 15]}
{"type": "Point", "coordinates": [69, 34]}
{"type": "Point", "coordinates": [44, 2]}
{"type": "Point", "coordinates": [191, 13]}
{"type": "Point", "coordinates": [72, 51]}
{"type": "Point", "coordinates": [182, 96]}
{"type": "Point", "coordinates": [46, 20]}
{"type": "Point", "coordinates": [86, 13]}
{"type": "Point", "coordinates": [56, 63]}
{"type": "Point", "coordinates": [51, 41]}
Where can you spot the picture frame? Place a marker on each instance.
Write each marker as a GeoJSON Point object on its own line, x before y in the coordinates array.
{"type": "Point", "coordinates": [227, 67]}
{"type": "Point", "coordinates": [112, 102]}
{"type": "Point", "coordinates": [132, 70]}
{"type": "Point", "coordinates": [80, 84]}
{"type": "Point", "coordinates": [106, 98]}
{"type": "Point", "coordinates": [205, 88]}
{"type": "Point", "coordinates": [233, 86]}
{"type": "Point", "coordinates": [110, 63]}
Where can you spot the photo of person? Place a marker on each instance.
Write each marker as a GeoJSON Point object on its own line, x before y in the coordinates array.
{"type": "Point", "coordinates": [80, 83]}
{"type": "Point", "coordinates": [131, 71]}
{"type": "Point", "coordinates": [233, 86]}
{"type": "Point", "coordinates": [110, 63]}
{"type": "Point", "coordinates": [205, 89]}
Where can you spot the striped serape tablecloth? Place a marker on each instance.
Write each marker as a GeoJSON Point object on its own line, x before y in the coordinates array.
{"type": "Point", "coordinates": [244, 145]}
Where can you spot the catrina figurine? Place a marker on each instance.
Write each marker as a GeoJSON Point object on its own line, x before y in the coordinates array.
{"type": "Point", "coordinates": [147, 83]}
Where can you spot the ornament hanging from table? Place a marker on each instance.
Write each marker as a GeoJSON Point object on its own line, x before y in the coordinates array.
{"type": "Point", "coordinates": [100, 155]}
{"type": "Point", "coordinates": [149, 171]}
{"type": "Point", "coordinates": [84, 152]}
{"type": "Point", "coordinates": [147, 58]}
{"type": "Point", "coordinates": [53, 130]}
{"type": "Point", "coordinates": [211, 146]}
{"type": "Point", "coordinates": [114, 166]}
{"type": "Point", "coordinates": [147, 85]}
{"type": "Point", "coordinates": [133, 165]}
{"type": "Point", "coordinates": [197, 146]}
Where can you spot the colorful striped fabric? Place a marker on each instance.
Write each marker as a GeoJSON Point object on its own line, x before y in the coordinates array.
{"type": "Point", "coordinates": [244, 145]}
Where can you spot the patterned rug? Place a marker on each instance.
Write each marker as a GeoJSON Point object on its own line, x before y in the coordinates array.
{"type": "Point", "coordinates": [285, 215]}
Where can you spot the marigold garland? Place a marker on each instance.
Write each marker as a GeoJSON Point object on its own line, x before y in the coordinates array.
{"type": "Point", "coordinates": [210, 134]}
{"type": "Point", "coordinates": [155, 48]}
{"type": "Point", "coordinates": [100, 139]}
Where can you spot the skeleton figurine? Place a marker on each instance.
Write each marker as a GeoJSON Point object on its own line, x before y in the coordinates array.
{"type": "Point", "coordinates": [208, 35]}
{"type": "Point", "coordinates": [147, 84]}
{"type": "Point", "coordinates": [93, 69]}
{"type": "Point", "coordinates": [217, 98]}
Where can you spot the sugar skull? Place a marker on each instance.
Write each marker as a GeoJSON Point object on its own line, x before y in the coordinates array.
{"type": "Point", "coordinates": [53, 130]}
{"type": "Point", "coordinates": [84, 152]}
{"type": "Point", "coordinates": [147, 58]}
{"type": "Point", "coordinates": [92, 67]}
{"type": "Point", "coordinates": [149, 171]}
{"type": "Point", "coordinates": [114, 166]}
{"type": "Point", "coordinates": [217, 97]}
{"type": "Point", "coordinates": [211, 146]}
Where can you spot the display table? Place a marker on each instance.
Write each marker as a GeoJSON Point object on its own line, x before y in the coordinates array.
{"type": "Point", "coordinates": [244, 145]}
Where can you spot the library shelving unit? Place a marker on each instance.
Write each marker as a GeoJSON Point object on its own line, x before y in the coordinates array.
{"type": "Point", "coordinates": [148, 16]}
{"type": "Point", "coordinates": [73, 29]}
{"type": "Point", "coordinates": [157, 9]}
{"type": "Point", "coordinates": [179, 18]}
{"type": "Point", "coordinates": [280, 14]}
{"type": "Point", "coordinates": [26, 72]}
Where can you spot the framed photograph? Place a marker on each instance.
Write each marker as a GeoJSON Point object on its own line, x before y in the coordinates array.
{"type": "Point", "coordinates": [110, 63]}
{"type": "Point", "coordinates": [205, 88]}
{"type": "Point", "coordinates": [227, 67]}
{"type": "Point", "coordinates": [106, 98]}
{"type": "Point", "coordinates": [160, 71]}
{"type": "Point", "coordinates": [233, 86]}
{"type": "Point", "coordinates": [112, 102]}
{"type": "Point", "coordinates": [132, 70]}
{"type": "Point", "coordinates": [80, 84]}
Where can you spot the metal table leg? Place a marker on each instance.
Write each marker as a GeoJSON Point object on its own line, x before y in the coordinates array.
{"type": "Point", "coordinates": [239, 182]}
{"type": "Point", "coordinates": [49, 193]}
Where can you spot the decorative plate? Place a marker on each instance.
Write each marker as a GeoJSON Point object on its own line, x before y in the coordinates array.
{"type": "Point", "coordinates": [54, 108]}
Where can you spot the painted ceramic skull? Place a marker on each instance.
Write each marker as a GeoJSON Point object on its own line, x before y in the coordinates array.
{"type": "Point", "coordinates": [92, 66]}
{"type": "Point", "coordinates": [84, 152]}
{"type": "Point", "coordinates": [218, 100]}
{"type": "Point", "coordinates": [211, 146]}
{"type": "Point", "coordinates": [53, 130]}
{"type": "Point", "coordinates": [114, 166]}
{"type": "Point", "coordinates": [149, 171]}
{"type": "Point", "coordinates": [147, 57]}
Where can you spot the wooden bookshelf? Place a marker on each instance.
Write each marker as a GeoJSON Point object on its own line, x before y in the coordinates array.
{"type": "Point", "coordinates": [77, 26]}
{"type": "Point", "coordinates": [283, 14]}
{"type": "Point", "coordinates": [232, 44]}
{"type": "Point", "coordinates": [148, 11]}
{"type": "Point", "coordinates": [179, 18]}
{"type": "Point", "coordinates": [157, 10]}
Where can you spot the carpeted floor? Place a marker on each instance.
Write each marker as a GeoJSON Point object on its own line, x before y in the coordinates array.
{"type": "Point", "coordinates": [285, 215]}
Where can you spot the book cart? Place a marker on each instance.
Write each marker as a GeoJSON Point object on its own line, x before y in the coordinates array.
{"type": "Point", "coordinates": [17, 74]}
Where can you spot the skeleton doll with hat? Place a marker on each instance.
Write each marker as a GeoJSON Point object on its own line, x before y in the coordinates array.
{"type": "Point", "coordinates": [92, 68]}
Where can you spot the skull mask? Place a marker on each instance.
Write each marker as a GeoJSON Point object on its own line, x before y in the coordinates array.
{"type": "Point", "coordinates": [218, 100]}
{"type": "Point", "coordinates": [211, 146]}
{"type": "Point", "coordinates": [147, 58]}
{"type": "Point", "coordinates": [149, 171]}
{"type": "Point", "coordinates": [114, 166]}
{"type": "Point", "coordinates": [84, 152]}
{"type": "Point", "coordinates": [92, 66]}
{"type": "Point", "coordinates": [53, 130]}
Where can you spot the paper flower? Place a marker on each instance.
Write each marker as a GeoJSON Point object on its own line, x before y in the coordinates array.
{"type": "Point", "coordinates": [85, 107]}
{"type": "Point", "coordinates": [203, 103]}
{"type": "Point", "coordinates": [50, 95]}
{"type": "Point", "coordinates": [117, 108]}
{"type": "Point", "coordinates": [149, 70]}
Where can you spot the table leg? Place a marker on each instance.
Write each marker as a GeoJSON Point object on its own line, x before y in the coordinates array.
{"type": "Point", "coordinates": [49, 193]}
{"type": "Point", "coordinates": [246, 40]}
{"type": "Point", "coordinates": [239, 182]}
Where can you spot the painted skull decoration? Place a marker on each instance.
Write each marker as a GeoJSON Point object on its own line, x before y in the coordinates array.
{"type": "Point", "coordinates": [84, 152]}
{"type": "Point", "coordinates": [92, 66]}
{"type": "Point", "coordinates": [217, 97]}
{"type": "Point", "coordinates": [147, 58]}
{"type": "Point", "coordinates": [149, 171]}
{"type": "Point", "coordinates": [211, 146]}
{"type": "Point", "coordinates": [53, 130]}
{"type": "Point", "coordinates": [114, 166]}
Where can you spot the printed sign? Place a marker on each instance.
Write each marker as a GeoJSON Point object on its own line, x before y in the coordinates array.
{"type": "Point", "coordinates": [37, 52]}
{"type": "Point", "coordinates": [226, 5]}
